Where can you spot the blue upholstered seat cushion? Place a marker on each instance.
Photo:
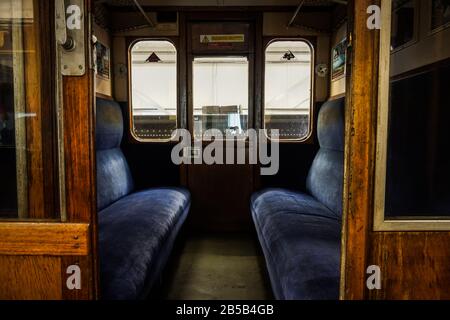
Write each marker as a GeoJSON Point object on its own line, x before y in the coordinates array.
{"type": "Point", "coordinates": [114, 179]}
{"type": "Point", "coordinates": [300, 234]}
{"type": "Point", "coordinates": [326, 176]}
{"type": "Point", "coordinates": [300, 238]}
{"type": "Point", "coordinates": [136, 235]}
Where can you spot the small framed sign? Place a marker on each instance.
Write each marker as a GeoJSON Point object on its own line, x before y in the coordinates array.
{"type": "Point", "coordinates": [103, 61]}
{"type": "Point", "coordinates": [339, 60]}
{"type": "Point", "coordinates": [221, 38]}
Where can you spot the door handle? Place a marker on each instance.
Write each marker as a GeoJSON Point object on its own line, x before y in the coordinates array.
{"type": "Point", "coordinates": [60, 22]}
{"type": "Point", "coordinates": [70, 36]}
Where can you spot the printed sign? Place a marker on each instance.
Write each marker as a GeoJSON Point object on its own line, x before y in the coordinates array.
{"type": "Point", "coordinates": [339, 60]}
{"type": "Point", "coordinates": [222, 38]}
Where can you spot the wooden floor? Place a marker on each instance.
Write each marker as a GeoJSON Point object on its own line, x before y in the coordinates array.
{"type": "Point", "coordinates": [217, 268]}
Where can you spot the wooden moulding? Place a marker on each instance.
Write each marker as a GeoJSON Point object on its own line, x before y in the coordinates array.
{"type": "Point", "coordinates": [48, 239]}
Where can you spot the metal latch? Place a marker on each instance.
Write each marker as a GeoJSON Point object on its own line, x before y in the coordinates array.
{"type": "Point", "coordinates": [70, 36]}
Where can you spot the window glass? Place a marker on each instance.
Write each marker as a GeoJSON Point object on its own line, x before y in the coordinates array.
{"type": "Point", "coordinates": [153, 89]}
{"type": "Point", "coordinates": [403, 19]}
{"type": "Point", "coordinates": [28, 177]}
{"type": "Point", "coordinates": [413, 130]}
{"type": "Point", "coordinates": [220, 87]}
{"type": "Point", "coordinates": [288, 89]}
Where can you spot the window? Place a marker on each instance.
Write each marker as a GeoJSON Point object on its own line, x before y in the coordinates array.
{"type": "Point", "coordinates": [153, 90]}
{"type": "Point", "coordinates": [220, 86]}
{"type": "Point", "coordinates": [288, 89]}
{"type": "Point", "coordinates": [403, 23]}
{"type": "Point", "coordinates": [28, 117]}
{"type": "Point", "coordinates": [412, 173]}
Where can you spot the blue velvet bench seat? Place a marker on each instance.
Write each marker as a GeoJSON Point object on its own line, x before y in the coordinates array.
{"type": "Point", "coordinates": [137, 230]}
{"type": "Point", "coordinates": [300, 233]}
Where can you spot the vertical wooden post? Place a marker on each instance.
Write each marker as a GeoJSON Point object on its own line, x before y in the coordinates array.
{"type": "Point", "coordinates": [360, 151]}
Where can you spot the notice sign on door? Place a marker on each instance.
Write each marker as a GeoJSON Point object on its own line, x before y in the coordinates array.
{"type": "Point", "coordinates": [221, 38]}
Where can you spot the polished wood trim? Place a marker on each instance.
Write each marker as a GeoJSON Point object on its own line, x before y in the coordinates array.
{"type": "Point", "coordinates": [30, 278]}
{"type": "Point", "coordinates": [79, 148]}
{"type": "Point", "coordinates": [39, 97]}
{"type": "Point", "coordinates": [87, 278]}
{"type": "Point", "coordinates": [359, 151]}
{"type": "Point", "coordinates": [52, 239]}
{"type": "Point", "coordinates": [414, 265]}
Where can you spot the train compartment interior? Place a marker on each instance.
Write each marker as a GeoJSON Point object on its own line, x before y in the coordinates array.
{"type": "Point", "coordinates": [224, 150]}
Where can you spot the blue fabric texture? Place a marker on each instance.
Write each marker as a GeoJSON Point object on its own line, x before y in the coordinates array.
{"type": "Point", "coordinates": [326, 176]}
{"type": "Point", "coordinates": [109, 125]}
{"type": "Point", "coordinates": [136, 230]}
{"type": "Point", "coordinates": [331, 125]}
{"type": "Point", "coordinates": [114, 179]}
{"type": "Point", "coordinates": [134, 234]}
{"type": "Point", "coordinates": [300, 234]}
{"type": "Point", "coordinates": [325, 179]}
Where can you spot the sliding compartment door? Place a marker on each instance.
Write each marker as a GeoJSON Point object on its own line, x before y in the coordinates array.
{"type": "Point", "coordinates": [47, 186]}
{"type": "Point", "coordinates": [397, 207]}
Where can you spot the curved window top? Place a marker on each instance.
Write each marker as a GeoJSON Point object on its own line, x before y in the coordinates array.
{"type": "Point", "coordinates": [288, 89]}
{"type": "Point", "coordinates": [153, 90]}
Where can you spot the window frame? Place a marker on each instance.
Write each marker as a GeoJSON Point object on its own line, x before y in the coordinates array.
{"type": "Point", "coordinates": [129, 47]}
{"type": "Point", "coordinates": [382, 223]}
{"type": "Point", "coordinates": [249, 88]}
{"type": "Point", "coordinates": [310, 44]}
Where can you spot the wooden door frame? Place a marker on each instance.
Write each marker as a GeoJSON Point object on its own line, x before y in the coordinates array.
{"type": "Point", "coordinates": [80, 163]}
{"type": "Point", "coordinates": [414, 265]}
{"type": "Point", "coordinates": [35, 255]}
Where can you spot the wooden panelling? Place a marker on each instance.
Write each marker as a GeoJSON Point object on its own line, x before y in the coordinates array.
{"type": "Point", "coordinates": [32, 70]}
{"type": "Point", "coordinates": [34, 256]}
{"type": "Point", "coordinates": [87, 278]}
{"type": "Point", "coordinates": [40, 137]}
{"type": "Point", "coordinates": [30, 278]}
{"type": "Point", "coordinates": [80, 166]}
{"type": "Point", "coordinates": [56, 239]}
{"type": "Point", "coordinates": [220, 197]}
{"type": "Point", "coordinates": [359, 152]}
{"type": "Point", "coordinates": [79, 148]}
{"type": "Point", "coordinates": [414, 265]}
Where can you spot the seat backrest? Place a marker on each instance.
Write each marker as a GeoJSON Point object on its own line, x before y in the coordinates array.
{"type": "Point", "coordinates": [114, 179]}
{"type": "Point", "coordinates": [326, 176]}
